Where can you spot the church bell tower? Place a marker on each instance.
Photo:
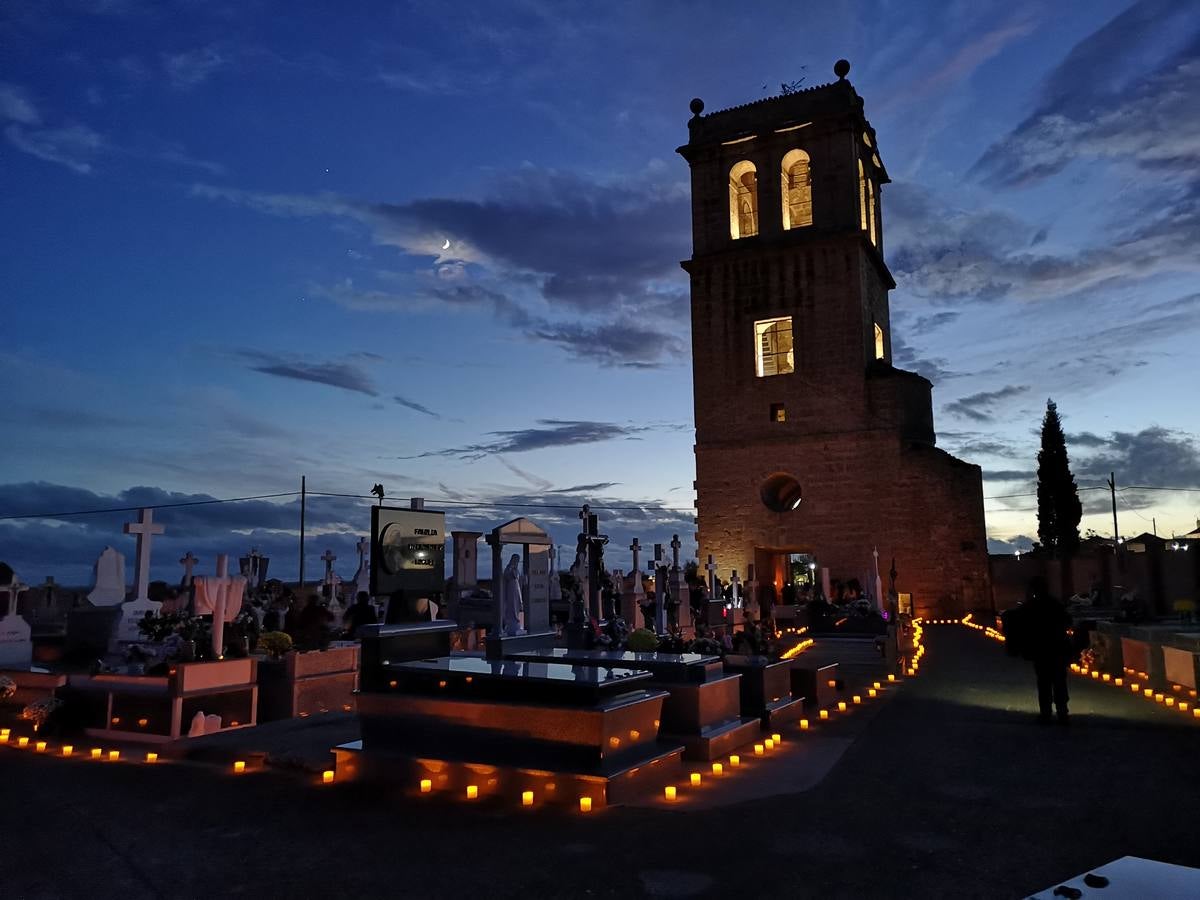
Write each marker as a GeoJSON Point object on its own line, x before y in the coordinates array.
{"type": "Point", "coordinates": [808, 440]}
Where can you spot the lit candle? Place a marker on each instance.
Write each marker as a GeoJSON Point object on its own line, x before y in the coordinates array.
{"type": "Point", "coordinates": [22, 742]}
{"type": "Point", "coordinates": [151, 757]}
{"type": "Point", "coordinates": [527, 798]}
{"type": "Point", "coordinates": [239, 767]}
{"type": "Point", "coordinates": [824, 714]}
{"type": "Point", "coordinates": [1119, 682]}
{"type": "Point", "coordinates": [1135, 687]}
{"type": "Point", "coordinates": [1106, 677]}
{"type": "Point", "coordinates": [804, 724]}
{"type": "Point", "coordinates": [758, 750]}
{"type": "Point", "coordinates": [426, 785]}
{"type": "Point", "coordinates": [718, 768]}
{"type": "Point", "coordinates": [841, 706]}
{"type": "Point", "coordinates": [777, 738]}
{"type": "Point", "coordinates": [472, 791]}
{"type": "Point", "coordinates": [891, 677]}
{"type": "Point", "coordinates": [1095, 674]}
{"type": "Point", "coordinates": [40, 746]}
{"type": "Point", "coordinates": [1196, 712]}
{"type": "Point", "coordinates": [1149, 692]}
{"type": "Point", "coordinates": [695, 779]}
{"type": "Point", "coordinates": [1170, 701]}
{"type": "Point", "coordinates": [877, 685]}
{"type": "Point", "coordinates": [67, 750]}
{"type": "Point", "coordinates": [1158, 698]}
{"type": "Point", "coordinates": [857, 698]}
{"type": "Point", "coordinates": [1183, 706]}
{"type": "Point", "coordinates": [97, 753]}
{"type": "Point", "coordinates": [114, 755]}
{"type": "Point", "coordinates": [391, 684]}
{"type": "Point", "coordinates": [735, 760]}
{"type": "Point", "coordinates": [769, 744]}
{"type": "Point", "coordinates": [142, 723]}
{"type": "Point", "coordinates": [585, 804]}
{"type": "Point", "coordinates": [871, 692]}
{"type": "Point", "coordinates": [669, 792]}
{"type": "Point", "coordinates": [327, 776]}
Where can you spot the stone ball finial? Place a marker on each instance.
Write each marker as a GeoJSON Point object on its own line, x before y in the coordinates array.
{"type": "Point", "coordinates": [841, 69]}
{"type": "Point", "coordinates": [696, 106]}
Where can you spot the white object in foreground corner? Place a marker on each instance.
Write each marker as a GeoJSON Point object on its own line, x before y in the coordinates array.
{"type": "Point", "coordinates": [1133, 878]}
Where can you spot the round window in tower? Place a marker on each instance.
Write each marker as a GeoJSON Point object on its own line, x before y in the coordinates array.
{"type": "Point", "coordinates": [781, 493]}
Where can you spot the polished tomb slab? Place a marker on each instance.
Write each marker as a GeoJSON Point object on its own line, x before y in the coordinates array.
{"type": "Point", "coordinates": [385, 644]}
{"type": "Point", "coordinates": [766, 689]}
{"type": "Point", "coordinates": [817, 683]}
{"type": "Point", "coordinates": [703, 705]}
{"type": "Point", "coordinates": [504, 727]}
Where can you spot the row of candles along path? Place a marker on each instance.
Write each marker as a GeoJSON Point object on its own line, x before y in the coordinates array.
{"type": "Point", "coordinates": [670, 792]}
{"type": "Point", "coordinates": [151, 757]}
{"type": "Point", "coordinates": [1135, 687]}
{"type": "Point", "coordinates": [1138, 688]}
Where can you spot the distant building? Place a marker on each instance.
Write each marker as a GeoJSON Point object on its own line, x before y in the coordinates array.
{"type": "Point", "coordinates": [810, 444]}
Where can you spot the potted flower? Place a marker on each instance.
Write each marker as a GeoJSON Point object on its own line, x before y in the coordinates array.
{"type": "Point", "coordinates": [275, 644]}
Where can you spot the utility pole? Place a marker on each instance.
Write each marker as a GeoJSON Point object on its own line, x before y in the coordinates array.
{"type": "Point", "coordinates": [303, 495]}
{"type": "Point", "coordinates": [1112, 489]}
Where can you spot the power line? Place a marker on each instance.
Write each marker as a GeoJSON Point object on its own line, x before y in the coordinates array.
{"type": "Point", "coordinates": [117, 509]}
{"type": "Point", "coordinates": [503, 505]}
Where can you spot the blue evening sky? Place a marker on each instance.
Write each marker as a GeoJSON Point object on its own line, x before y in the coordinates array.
{"type": "Point", "coordinates": [436, 246]}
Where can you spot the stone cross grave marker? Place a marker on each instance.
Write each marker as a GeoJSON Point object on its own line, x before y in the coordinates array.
{"type": "Point", "coordinates": [632, 597]}
{"type": "Point", "coordinates": [222, 596]}
{"type": "Point", "coordinates": [362, 575]}
{"type": "Point", "coordinates": [555, 587]}
{"type": "Point", "coordinates": [135, 610]}
{"type": "Point", "coordinates": [711, 567]}
{"type": "Point", "coordinates": [735, 595]}
{"type": "Point", "coordinates": [16, 648]}
{"type": "Point", "coordinates": [679, 587]}
{"type": "Point", "coordinates": [189, 563]}
{"type": "Point", "coordinates": [144, 528]}
{"type": "Point", "coordinates": [328, 558]}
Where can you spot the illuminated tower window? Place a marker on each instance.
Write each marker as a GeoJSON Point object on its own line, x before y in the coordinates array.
{"type": "Point", "coordinates": [796, 189]}
{"type": "Point", "coordinates": [862, 195]}
{"type": "Point", "coordinates": [878, 341]}
{"type": "Point", "coordinates": [743, 200]}
{"type": "Point", "coordinates": [773, 347]}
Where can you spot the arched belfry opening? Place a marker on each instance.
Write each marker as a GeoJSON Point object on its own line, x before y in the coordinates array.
{"type": "Point", "coordinates": [743, 200]}
{"type": "Point", "coordinates": [796, 190]}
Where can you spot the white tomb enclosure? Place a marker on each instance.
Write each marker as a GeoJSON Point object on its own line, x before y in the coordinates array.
{"type": "Point", "coordinates": [109, 589]}
{"type": "Point", "coordinates": [536, 566]}
{"type": "Point", "coordinates": [16, 647]}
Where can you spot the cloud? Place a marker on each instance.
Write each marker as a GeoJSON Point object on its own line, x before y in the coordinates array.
{"type": "Point", "coordinates": [980, 407]}
{"type": "Point", "coordinates": [586, 488]}
{"type": "Point", "coordinates": [1022, 542]}
{"type": "Point", "coordinates": [555, 433]}
{"type": "Point", "coordinates": [1108, 99]}
{"type": "Point", "coordinates": [586, 264]}
{"type": "Point", "coordinates": [71, 145]}
{"type": "Point", "coordinates": [1156, 456]}
{"type": "Point", "coordinates": [415, 406]}
{"type": "Point", "coordinates": [344, 375]}
{"type": "Point", "coordinates": [1009, 475]}
{"type": "Point", "coordinates": [16, 106]}
{"type": "Point", "coordinates": [190, 68]}
{"type": "Point", "coordinates": [904, 356]}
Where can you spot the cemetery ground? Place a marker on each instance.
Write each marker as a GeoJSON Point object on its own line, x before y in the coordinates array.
{"type": "Point", "coordinates": [945, 788]}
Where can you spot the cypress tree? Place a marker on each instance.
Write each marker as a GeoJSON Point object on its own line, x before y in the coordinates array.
{"type": "Point", "coordinates": [1059, 509]}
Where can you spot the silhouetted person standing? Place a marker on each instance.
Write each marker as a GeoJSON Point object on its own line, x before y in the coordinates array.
{"type": "Point", "coordinates": [1045, 626]}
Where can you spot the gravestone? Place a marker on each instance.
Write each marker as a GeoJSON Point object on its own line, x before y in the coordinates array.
{"type": "Point", "coordinates": [555, 587]}
{"type": "Point", "coordinates": [16, 647]}
{"type": "Point", "coordinates": [136, 609]}
{"type": "Point", "coordinates": [189, 563]}
{"type": "Point", "coordinates": [679, 588]}
{"type": "Point", "coordinates": [537, 598]}
{"type": "Point", "coordinates": [635, 595]}
{"type": "Point", "coordinates": [109, 589]}
{"type": "Point", "coordinates": [220, 596]}
{"type": "Point", "coordinates": [362, 577]}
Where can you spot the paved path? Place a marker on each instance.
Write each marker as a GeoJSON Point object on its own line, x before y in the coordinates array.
{"type": "Point", "coordinates": [947, 790]}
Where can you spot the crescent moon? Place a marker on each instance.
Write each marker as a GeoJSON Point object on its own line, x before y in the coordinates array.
{"type": "Point", "coordinates": [446, 246]}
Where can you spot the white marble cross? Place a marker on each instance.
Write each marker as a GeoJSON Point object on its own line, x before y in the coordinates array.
{"type": "Point", "coordinates": [734, 595]}
{"type": "Point", "coordinates": [188, 563]}
{"type": "Point", "coordinates": [145, 528]}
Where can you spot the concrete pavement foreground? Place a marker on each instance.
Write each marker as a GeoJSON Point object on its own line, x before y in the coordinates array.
{"type": "Point", "coordinates": [947, 789]}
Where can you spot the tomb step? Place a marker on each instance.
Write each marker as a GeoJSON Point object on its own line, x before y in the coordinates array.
{"type": "Point", "coordinates": [782, 711]}
{"type": "Point", "coordinates": [718, 740]}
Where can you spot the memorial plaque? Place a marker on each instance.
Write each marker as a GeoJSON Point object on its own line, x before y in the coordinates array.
{"type": "Point", "coordinates": [408, 551]}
